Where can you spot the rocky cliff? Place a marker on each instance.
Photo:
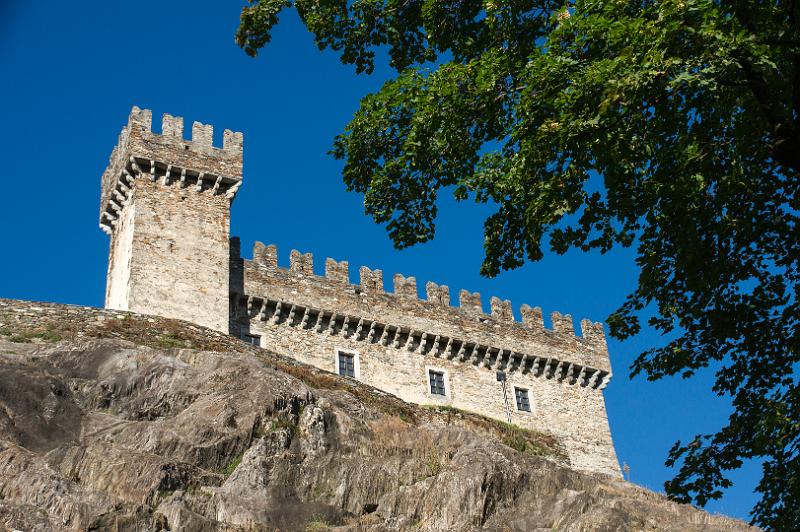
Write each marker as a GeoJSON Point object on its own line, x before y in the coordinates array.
{"type": "Point", "coordinates": [115, 421]}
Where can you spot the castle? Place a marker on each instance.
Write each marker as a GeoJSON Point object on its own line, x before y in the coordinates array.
{"type": "Point", "coordinates": [165, 203]}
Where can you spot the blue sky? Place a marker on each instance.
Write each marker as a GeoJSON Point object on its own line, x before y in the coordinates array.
{"type": "Point", "coordinates": [71, 72]}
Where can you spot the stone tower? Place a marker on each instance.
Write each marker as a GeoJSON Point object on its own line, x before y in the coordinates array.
{"type": "Point", "coordinates": [165, 203]}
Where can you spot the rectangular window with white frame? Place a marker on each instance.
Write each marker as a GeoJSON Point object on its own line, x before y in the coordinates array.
{"type": "Point", "coordinates": [347, 364]}
{"type": "Point", "coordinates": [437, 382]}
{"type": "Point", "coordinates": [523, 399]}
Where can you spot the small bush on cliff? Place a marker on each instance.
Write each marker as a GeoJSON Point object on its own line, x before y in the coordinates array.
{"type": "Point", "coordinates": [231, 467]}
{"type": "Point", "coordinates": [168, 341]}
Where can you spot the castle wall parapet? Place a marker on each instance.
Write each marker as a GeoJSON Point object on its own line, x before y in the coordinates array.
{"type": "Point", "coordinates": [405, 317]}
{"type": "Point", "coordinates": [360, 329]}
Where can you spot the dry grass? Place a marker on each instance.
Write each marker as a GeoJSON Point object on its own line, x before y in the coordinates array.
{"type": "Point", "coordinates": [393, 437]}
{"type": "Point", "coordinates": [163, 333]}
{"type": "Point", "coordinates": [387, 404]}
{"type": "Point", "coordinates": [317, 526]}
{"type": "Point", "coordinates": [518, 438]}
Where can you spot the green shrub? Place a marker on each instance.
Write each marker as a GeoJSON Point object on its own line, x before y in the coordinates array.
{"type": "Point", "coordinates": [231, 467]}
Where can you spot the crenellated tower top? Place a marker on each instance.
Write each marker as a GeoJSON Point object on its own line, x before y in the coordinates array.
{"type": "Point", "coordinates": [169, 157]}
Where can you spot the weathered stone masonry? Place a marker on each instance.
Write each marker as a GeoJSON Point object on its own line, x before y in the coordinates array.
{"type": "Point", "coordinates": [165, 203]}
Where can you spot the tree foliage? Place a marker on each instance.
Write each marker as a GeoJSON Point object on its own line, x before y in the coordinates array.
{"type": "Point", "coordinates": [671, 125]}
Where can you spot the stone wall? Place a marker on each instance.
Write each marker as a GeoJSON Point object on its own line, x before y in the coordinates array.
{"type": "Point", "coordinates": [398, 338]}
{"type": "Point", "coordinates": [165, 202]}
{"type": "Point", "coordinates": [120, 256]}
{"type": "Point", "coordinates": [180, 254]}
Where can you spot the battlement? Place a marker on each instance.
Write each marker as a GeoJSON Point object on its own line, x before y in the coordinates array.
{"type": "Point", "coordinates": [170, 159]}
{"type": "Point", "coordinates": [402, 308]}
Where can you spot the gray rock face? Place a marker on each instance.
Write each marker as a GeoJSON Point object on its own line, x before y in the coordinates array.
{"type": "Point", "coordinates": [100, 434]}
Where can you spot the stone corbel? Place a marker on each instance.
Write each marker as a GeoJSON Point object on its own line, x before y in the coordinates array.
{"type": "Point", "coordinates": [461, 351]}
{"type": "Point", "coordinates": [581, 376]}
{"type": "Point", "coordinates": [473, 355]}
{"type": "Point", "coordinates": [384, 336]}
{"type": "Point", "coordinates": [277, 315]}
{"type": "Point", "coordinates": [331, 325]}
{"type": "Point", "coordinates": [435, 346]}
{"type": "Point", "coordinates": [488, 361]}
{"type": "Point", "coordinates": [422, 341]}
{"type": "Point", "coordinates": [371, 333]}
{"type": "Point", "coordinates": [536, 362]}
{"type": "Point", "coordinates": [448, 349]}
{"type": "Point", "coordinates": [232, 191]}
{"type": "Point", "coordinates": [304, 320]}
{"type": "Point", "coordinates": [318, 324]}
{"type": "Point", "coordinates": [135, 166]}
{"type": "Point", "coordinates": [409, 341]}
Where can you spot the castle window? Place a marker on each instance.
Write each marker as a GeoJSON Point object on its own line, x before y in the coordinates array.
{"type": "Point", "coordinates": [437, 382]}
{"type": "Point", "coordinates": [347, 364]}
{"type": "Point", "coordinates": [523, 401]}
{"type": "Point", "coordinates": [253, 339]}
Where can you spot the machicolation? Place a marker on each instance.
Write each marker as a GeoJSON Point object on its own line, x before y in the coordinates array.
{"type": "Point", "coordinates": [165, 202]}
